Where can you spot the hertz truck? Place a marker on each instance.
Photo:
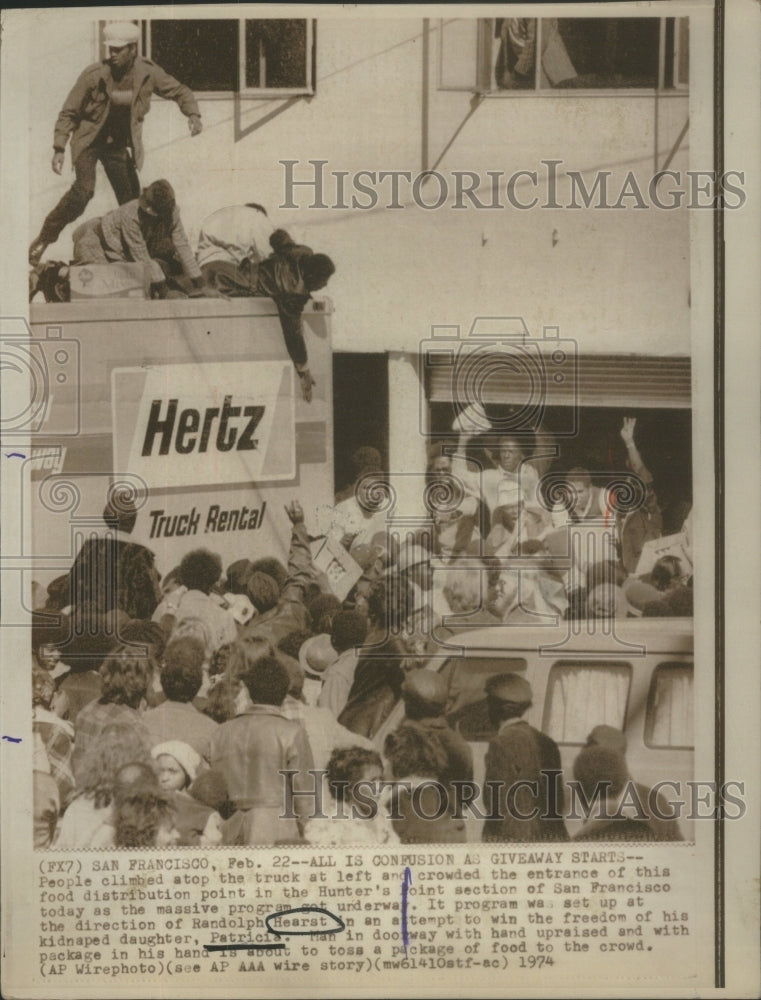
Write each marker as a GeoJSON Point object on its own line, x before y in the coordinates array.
{"type": "Point", "coordinates": [192, 407]}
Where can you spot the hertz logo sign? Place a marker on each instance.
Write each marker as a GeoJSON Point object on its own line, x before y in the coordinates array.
{"type": "Point", "coordinates": [227, 427]}
{"type": "Point", "coordinates": [209, 424]}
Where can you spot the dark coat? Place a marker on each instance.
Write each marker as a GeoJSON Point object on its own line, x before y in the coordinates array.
{"type": "Point", "coordinates": [110, 573]}
{"type": "Point", "coordinates": [520, 753]}
{"type": "Point", "coordinates": [459, 755]}
{"type": "Point", "coordinates": [377, 687]}
{"type": "Point", "coordinates": [281, 277]}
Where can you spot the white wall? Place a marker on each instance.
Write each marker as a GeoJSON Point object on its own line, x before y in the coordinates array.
{"type": "Point", "coordinates": [616, 280]}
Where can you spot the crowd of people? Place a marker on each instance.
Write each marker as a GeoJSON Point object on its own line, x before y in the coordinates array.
{"type": "Point", "coordinates": [589, 546]}
{"type": "Point", "coordinates": [196, 707]}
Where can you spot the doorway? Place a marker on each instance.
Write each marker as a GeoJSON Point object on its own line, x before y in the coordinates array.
{"type": "Point", "coordinates": [360, 410]}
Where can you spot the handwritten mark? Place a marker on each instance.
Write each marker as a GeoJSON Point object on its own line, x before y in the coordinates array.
{"type": "Point", "coordinates": [278, 915]}
{"type": "Point", "coordinates": [247, 947]}
{"type": "Point", "coordinates": [406, 883]}
{"type": "Point", "coordinates": [15, 454]}
{"type": "Point", "coordinates": [12, 739]}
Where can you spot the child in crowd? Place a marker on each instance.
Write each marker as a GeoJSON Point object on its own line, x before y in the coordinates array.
{"type": "Point", "coordinates": [354, 816]}
{"type": "Point", "coordinates": [178, 766]}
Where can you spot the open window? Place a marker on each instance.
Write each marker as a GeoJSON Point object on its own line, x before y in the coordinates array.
{"type": "Point", "coordinates": [268, 57]}
{"type": "Point", "coordinates": [537, 55]}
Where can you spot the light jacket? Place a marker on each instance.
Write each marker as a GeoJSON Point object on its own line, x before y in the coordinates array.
{"type": "Point", "coordinates": [85, 110]}
{"type": "Point", "coordinates": [126, 234]}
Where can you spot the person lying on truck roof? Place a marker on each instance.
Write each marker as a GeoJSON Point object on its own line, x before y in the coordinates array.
{"type": "Point", "coordinates": [149, 230]}
{"type": "Point", "coordinates": [232, 256]}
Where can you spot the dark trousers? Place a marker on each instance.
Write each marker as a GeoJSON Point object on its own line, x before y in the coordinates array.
{"type": "Point", "coordinates": [120, 169]}
{"type": "Point", "coordinates": [230, 279]}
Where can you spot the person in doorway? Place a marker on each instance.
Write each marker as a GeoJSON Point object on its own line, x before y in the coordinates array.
{"type": "Point", "coordinates": [513, 480]}
{"type": "Point", "coordinates": [645, 522]}
{"type": "Point", "coordinates": [103, 115]}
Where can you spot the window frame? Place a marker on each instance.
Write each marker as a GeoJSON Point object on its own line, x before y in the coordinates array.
{"type": "Point", "coordinates": [485, 85]}
{"type": "Point", "coordinates": [647, 734]}
{"type": "Point", "coordinates": [242, 91]}
{"type": "Point", "coordinates": [555, 671]}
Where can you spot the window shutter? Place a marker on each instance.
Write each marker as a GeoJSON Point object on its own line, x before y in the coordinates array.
{"type": "Point", "coordinates": [623, 381]}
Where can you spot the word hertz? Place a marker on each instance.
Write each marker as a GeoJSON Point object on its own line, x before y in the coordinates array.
{"type": "Point", "coordinates": [192, 431]}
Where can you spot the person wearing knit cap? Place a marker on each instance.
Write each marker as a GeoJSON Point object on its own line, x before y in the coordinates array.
{"type": "Point", "coordinates": [104, 115]}
{"type": "Point", "coordinates": [177, 763]}
{"type": "Point", "coordinates": [525, 765]}
{"type": "Point", "coordinates": [425, 698]}
{"type": "Point", "coordinates": [178, 767]}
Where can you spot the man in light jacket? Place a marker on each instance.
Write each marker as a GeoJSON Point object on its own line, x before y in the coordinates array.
{"type": "Point", "coordinates": [104, 114]}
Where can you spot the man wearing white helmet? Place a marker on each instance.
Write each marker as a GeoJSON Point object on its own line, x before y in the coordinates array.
{"type": "Point", "coordinates": [103, 114]}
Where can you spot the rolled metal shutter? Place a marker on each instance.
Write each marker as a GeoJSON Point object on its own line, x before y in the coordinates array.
{"type": "Point", "coordinates": [617, 380]}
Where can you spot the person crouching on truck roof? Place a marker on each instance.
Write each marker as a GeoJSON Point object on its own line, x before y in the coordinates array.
{"type": "Point", "coordinates": [148, 230]}
{"type": "Point", "coordinates": [103, 114]}
{"type": "Point", "coordinates": [232, 261]}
